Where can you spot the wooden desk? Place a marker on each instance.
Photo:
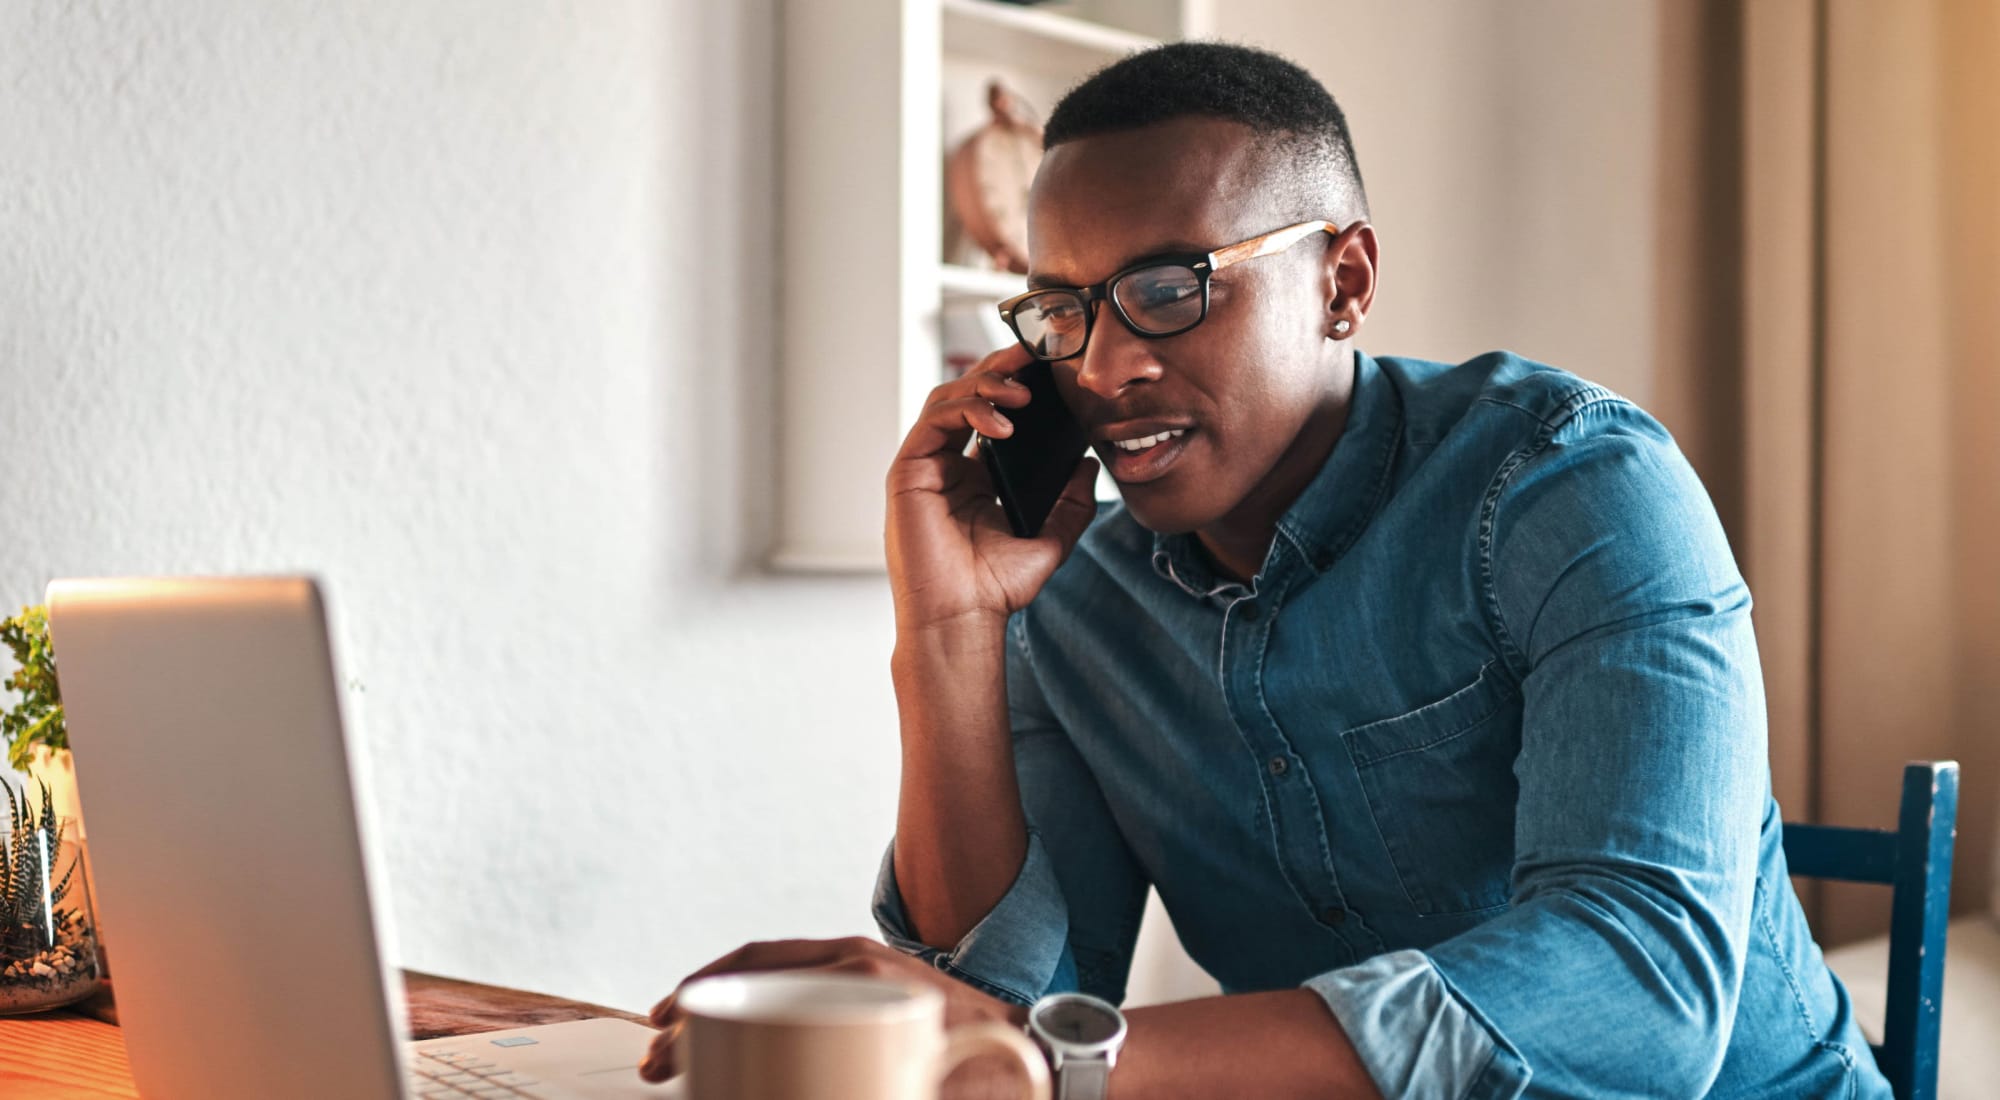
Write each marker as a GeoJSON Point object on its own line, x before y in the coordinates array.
{"type": "Point", "coordinates": [80, 1055]}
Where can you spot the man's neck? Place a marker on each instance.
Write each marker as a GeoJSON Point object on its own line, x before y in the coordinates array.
{"type": "Point", "coordinates": [1238, 543]}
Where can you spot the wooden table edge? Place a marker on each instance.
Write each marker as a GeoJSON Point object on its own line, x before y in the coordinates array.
{"type": "Point", "coordinates": [78, 1053]}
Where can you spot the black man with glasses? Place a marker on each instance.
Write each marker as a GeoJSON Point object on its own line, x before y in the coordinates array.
{"type": "Point", "coordinates": [1425, 695]}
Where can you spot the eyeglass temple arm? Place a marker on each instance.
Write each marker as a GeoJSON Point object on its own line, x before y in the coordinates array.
{"type": "Point", "coordinates": [1276, 240]}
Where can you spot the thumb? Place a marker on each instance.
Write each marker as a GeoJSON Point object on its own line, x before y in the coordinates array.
{"type": "Point", "coordinates": [1075, 509]}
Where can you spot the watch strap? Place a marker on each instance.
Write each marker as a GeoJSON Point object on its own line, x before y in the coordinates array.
{"type": "Point", "coordinates": [1083, 1079]}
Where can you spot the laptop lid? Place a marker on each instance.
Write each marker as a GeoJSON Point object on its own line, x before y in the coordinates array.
{"type": "Point", "coordinates": [245, 943]}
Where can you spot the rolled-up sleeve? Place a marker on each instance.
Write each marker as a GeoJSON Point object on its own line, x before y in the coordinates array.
{"type": "Point", "coordinates": [1414, 1035]}
{"type": "Point", "coordinates": [1642, 779]}
{"type": "Point", "coordinates": [1017, 951]}
{"type": "Point", "coordinates": [1071, 917]}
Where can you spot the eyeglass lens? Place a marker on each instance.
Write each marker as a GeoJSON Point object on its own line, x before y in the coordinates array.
{"type": "Point", "coordinates": [1160, 300]}
{"type": "Point", "coordinates": [1157, 301]}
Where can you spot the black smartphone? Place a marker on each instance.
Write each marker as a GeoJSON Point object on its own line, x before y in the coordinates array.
{"type": "Point", "coordinates": [1030, 467]}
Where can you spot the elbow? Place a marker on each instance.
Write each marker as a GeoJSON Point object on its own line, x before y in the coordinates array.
{"type": "Point", "coordinates": [1696, 1035]}
{"type": "Point", "coordinates": [1685, 954]}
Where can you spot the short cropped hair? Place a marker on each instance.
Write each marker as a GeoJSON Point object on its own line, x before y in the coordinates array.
{"type": "Point", "coordinates": [1290, 112]}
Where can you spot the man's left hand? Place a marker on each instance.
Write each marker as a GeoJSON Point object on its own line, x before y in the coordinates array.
{"type": "Point", "coordinates": [855, 955]}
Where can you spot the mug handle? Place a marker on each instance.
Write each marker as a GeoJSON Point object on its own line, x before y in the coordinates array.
{"type": "Point", "coordinates": [964, 1042]}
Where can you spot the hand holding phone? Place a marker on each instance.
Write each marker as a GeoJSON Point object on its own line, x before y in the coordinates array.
{"type": "Point", "coordinates": [1030, 467]}
{"type": "Point", "coordinates": [956, 554]}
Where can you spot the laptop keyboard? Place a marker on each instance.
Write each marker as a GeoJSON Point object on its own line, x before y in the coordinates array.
{"type": "Point", "coordinates": [445, 1073]}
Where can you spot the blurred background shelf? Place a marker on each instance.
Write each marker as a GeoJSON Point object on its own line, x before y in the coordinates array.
{"type": "Point", "coordinates": [867, 296]}
{"type": "Point", "coordinates": [960, 281]}
{"type": "Point", "coordinates": [1010, 34]}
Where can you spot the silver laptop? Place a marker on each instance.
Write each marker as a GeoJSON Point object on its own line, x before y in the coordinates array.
{"type": "Point", "coordinates": [247, 937]}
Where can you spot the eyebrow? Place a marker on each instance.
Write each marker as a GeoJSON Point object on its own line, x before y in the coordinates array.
{"type": "Point", "coordinates": [1176, 247]}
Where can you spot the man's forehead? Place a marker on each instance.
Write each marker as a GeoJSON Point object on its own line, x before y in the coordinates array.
{"type": "Point", "coordinates": [1185, 185]}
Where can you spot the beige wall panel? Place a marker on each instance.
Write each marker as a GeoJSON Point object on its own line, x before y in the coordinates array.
{"type": "Point", "coordinates": [1775, 546]}
{"type": "Point", "coordinates": [1697, 229]}
{"type": "Point", "coordinates": [1970, 43]}
{"type": "Point", "coordinates": [1511, 161]}
{"type": "Point", "coordinates": [1887, 595]}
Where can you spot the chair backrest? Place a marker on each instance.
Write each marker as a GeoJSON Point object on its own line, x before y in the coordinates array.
{"type": "Point", "coordinates": [1915, 862]}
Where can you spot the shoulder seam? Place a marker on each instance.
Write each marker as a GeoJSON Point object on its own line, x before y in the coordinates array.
{"type": "Point", "coordinates": [1585, 395]}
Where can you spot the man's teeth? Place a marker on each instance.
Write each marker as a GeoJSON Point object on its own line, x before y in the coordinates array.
{"type": "Point", "coordinates": [1146, 441]}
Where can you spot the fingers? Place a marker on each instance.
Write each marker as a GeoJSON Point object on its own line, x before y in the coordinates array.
{"type": "Point", "coordinates": [665, 1013]}
{"type": "Point", "coordinates": [662, 1055]}
{"type": "Point", "coordinates": [855, 955]}
{"type": "Point", "coordinates": [1075, 509]}
{"type": "Point", "coordinates": [662, 1061]}
{"type": "Point", "coordinates": [956, 409]}
{"type": "Point", "coordinates": [776, 955]}
{"type": "Point", "coordinates": [994, 384]}
{"type": "Point", "coordinates": [1002, 389]}
{"type": "Point", "coordinates": [980, 411]}
{"type": "Point", "coordinates": [1003, 361]}
{"type": "Point", "coordinates": [956, 477]}
{"type": "Point", "coordinates": [949, 421]}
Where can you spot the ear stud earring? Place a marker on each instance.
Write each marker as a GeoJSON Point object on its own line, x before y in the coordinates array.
{"type": "Point", "coordinates": [1341, 327]}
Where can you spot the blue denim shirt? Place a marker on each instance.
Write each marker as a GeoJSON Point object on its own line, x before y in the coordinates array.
{"type": "Point", "coordinates": [1478, 756]}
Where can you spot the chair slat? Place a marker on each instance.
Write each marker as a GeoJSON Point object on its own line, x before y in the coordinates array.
{"type": "Point", "coordinates": [1848, 855]}
{"type": "Point", "coordinates": [1915, 861]}
{"type": "Point", "coordinates": [1919, 912]}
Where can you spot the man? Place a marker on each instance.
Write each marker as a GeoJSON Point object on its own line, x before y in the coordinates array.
{"type": "Point", "coordinates": [1425, 695]}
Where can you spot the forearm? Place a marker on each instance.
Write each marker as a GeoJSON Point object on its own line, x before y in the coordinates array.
{"type": "Point", "coordinates": [960, 833]}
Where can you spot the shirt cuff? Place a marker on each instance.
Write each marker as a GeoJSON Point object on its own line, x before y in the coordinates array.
{"type": "Point", "coordinates": [1418, 1040]}
{"type": "Point", "coordinates": [1017, 952]}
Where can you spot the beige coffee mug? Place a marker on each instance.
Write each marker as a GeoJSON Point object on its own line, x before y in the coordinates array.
{"type": "Point", "coordinates": [800, 1035]}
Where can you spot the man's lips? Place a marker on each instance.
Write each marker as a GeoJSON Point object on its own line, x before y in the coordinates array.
{"type": "Point", "coordinates": [1162, 447]}
{"type": "Point", "coordinates": [1128, 430]}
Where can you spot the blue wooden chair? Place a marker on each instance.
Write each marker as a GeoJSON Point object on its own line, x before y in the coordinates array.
{"type": "Point", "coordinates": [1915, 862]}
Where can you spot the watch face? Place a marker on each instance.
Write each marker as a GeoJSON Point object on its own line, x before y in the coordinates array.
{"type": "Point", "coordinates": [1078, 1022]}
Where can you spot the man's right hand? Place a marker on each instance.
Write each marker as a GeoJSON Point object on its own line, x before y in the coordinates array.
{"type": "Point", "coordinates": [952, 558]}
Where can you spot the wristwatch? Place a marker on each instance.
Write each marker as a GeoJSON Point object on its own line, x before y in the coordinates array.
{"type": "Point", "coordinates": [1081, 1035]}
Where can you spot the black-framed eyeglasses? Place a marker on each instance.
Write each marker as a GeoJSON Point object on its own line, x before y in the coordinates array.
{"type": "Point", "coordinates": [1156, 297]}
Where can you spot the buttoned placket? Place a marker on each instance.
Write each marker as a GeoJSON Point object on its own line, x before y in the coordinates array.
{"type": "Point", "coordinates": [1298, 824]}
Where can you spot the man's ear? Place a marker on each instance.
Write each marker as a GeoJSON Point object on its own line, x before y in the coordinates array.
{"type": "Point", "coordinates": [1348, 276]}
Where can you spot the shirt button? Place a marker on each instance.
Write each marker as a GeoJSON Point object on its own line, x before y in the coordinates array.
{"type": "Point", "coordinates": [1279, 765]}
{"type": "Point", "coordinates": [1333, 914]}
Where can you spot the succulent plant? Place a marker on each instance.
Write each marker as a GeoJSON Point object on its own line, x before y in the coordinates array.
{"type": "Point", "coordinates": [32, 913]}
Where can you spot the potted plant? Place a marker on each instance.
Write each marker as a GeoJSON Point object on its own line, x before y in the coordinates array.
{"type": "Point", "coordinates": [37, 741]}
{"type": "Point", "coordinates": [48, 947]}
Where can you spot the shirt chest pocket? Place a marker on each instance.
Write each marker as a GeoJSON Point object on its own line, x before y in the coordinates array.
{"type": "Point", "coordinates": [1440, 785]}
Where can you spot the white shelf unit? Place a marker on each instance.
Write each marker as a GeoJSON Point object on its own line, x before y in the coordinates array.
{"type": "Point", "coordinates": [875, 93]}
{"type": "Point", "coordinates": [1016, 33]}
{"type": "Point", "coordinates": [978, 284]}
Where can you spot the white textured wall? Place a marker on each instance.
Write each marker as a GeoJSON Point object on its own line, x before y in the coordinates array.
{"type": "Point", "coordinates": [461, 306]}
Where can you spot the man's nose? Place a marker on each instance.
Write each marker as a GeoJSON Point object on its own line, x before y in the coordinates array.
{"type": "Point", "coordinates": [1115, 358]}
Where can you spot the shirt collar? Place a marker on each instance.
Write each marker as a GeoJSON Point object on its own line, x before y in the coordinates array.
{"type": "Point", "coordinates": [1334, 508]}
